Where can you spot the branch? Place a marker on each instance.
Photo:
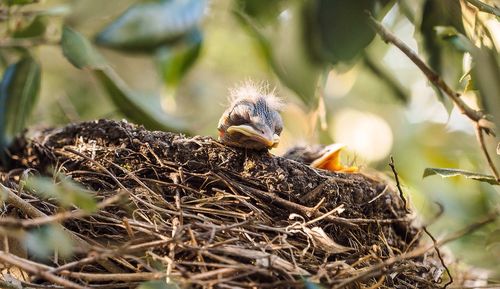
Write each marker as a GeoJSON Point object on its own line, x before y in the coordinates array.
{"type": "Point", "coordinates": [382, 268]}
{"type": "Point", "coordinates": [7, 258]}
{"type": "Point", "coordinates": [481, 6]}
{"type": "Point", "coordinates": [480, 139]}
{"type": "Point", "coordinates": [475, 115]}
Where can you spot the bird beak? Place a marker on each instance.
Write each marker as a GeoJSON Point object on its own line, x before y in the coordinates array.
{"type": "Point", "coordinates": [268, 140]}
{"type": "Point", "coordinates": [330, 160]}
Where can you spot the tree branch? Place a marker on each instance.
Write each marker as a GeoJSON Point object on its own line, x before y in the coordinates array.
{"type": "Point", "coordinates": [485, 7]}
{"type": "Point", "coordinates": [477, 116]}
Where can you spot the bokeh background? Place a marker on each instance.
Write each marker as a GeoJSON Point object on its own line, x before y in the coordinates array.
{"type": "Point", "coordinates": [399, 114]}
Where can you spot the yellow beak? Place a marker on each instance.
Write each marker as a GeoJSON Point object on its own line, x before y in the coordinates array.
{"type": "Point", "coordinates": [267, 140]}
{"type": "Point", "coordinates": [330, 160]}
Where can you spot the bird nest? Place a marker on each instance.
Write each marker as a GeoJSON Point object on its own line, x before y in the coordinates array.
{"type": "Point", "coordinates": [197, 213]}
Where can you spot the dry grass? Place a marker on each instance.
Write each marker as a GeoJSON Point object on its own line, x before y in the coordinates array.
{"type": "Point", "coordinates": [204, 215]}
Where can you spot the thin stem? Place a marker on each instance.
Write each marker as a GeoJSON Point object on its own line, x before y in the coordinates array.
{"type": "Point", "coordinates": [475, 115]}
{"type": "Point", "coordinates": [480, 139]}
{"type": "Point", "coordinates": [485, 7]}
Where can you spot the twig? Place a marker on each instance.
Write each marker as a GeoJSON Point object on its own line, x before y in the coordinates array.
{"type": "Point", "coordinates": [75, 214]}
{"type": "Point", "coordinates": [438, 252]}
{"type": "Point", "coordinates": [8, 259]}
{"type": "Point", "coordinates": [33, 212]}
{"type": "Point", "coordinates": [380, 268]}
{"type": "Point", "coordinates": [475, 115]}
{"type": "Point", "coordinates": [485, 7]}
{"type": "Point", "coordinates": [398, 185]}
{"type": "Point", "coordinates": [480, 139]}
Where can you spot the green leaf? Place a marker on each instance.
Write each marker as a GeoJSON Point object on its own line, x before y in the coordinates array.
{"type": "Point", "coordinates": [338, 30]}
{"type": "Point", "coordinates": [441, 53]}
{"type": "Point", "coordinates": [140, 108]}
{"type": "Point", "coordinates": [35, 28]}
{"type": "Point", "coordinates": [158, 284]}
{"type": "Point", "coordinates": [486, 77]}
{"type": "Point", "coordinates": [445, 173]}
{"type": "Point", "coordinates": [147, 25]}
{"type": "Point", "coordinates": [174, 61]}
{"type": "Point", "coordinates": [4, 194]}
{"type": "Point", "coordinates": [79, 51]}
{"type": "Point", "coordinates": [20, 2]}
{"type": "Point", "coordinates": [283, 47]}
{"type": "Point", "coordinates": [261, 10]}
{"type": "Point", "coordinates": [66, 192]}
{"type": "Point", "coordinates": [18, 95]}
{"type": "Point", "coordinates": [44, 241]}
{"type": "Point", "coordinates": [308, 284]}
{"type": "Point", "coordinates": [144, 110]}
{"type": "Point", "coordinates": [459, 41]}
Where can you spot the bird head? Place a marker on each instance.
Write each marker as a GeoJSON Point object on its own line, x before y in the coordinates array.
{"type": "Point", "coordinates": [252, 120]}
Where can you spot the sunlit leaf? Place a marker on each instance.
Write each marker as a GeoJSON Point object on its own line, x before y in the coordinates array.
{"type": "Point", "coordinates": [148, 25]}
{"type": "Point", "coordinates": [18, 95]}
{"type": "Point", "coordinates": [144, 110]}
{"type": "Point", "coordinates": [158, 284]}
{"type": "Point", "coordinates": [441, 53]}
{"type": "Point", "coordinates": [338, 30]}
{"type": "Point", "coordinates": [445, 173]}
{"type": "Point", "coordinates": [79, 51]}
{"type": "Point", "coordinates": [66, 192]}
{"type": "Point", "coordinates": [174, 61]}
{"type": "Point", "coordinates": [44, 241]}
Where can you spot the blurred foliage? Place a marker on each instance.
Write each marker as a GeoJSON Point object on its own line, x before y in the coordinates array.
{"type": "Point", "coordinates": [46, 240]}
{"type": "Point", "coordinates": [157, 284]}
{"type": "Point", "coordinates": [18, 94]}
{"type": "Point", "coordinates": [167, 64]}
{"type": "Point", "coordinates": [66, 192]}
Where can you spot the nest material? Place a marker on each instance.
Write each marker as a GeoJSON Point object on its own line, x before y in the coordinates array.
{"type": "Point", "coordinates": [206, 215]}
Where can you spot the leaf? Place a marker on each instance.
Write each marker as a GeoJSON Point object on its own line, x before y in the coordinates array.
{"type": "Point", "coordinates": [261, 11]}
{"type": "Point", "coordinates": [79, 51]}
{"type": "Point", "coordinates": [445, 173]}
{"type": "Point", "coordinates": [441, 53]}
{"type": "Point", "coordinates": [147, 25]}
{"type": "Point", "coordinates": [66, 192]}
{"type": "Point", "coordinates": [20, 2]}
{"type": "Point", "coordinates": [18, 95]}
{"type": "Point", "coordinates": [44, 241]}
{"type": "Point", "coordinates": [145, 110]}
{"type": "Point", "coordinates": [174, 60]}
{"type": "Point", "coordinates": [308, 284]}
{"type": "Point", "coordinates": [158, 284]}
{"type": "Point", "coordinates": [338, 30]}
{"type": "Point", "coordinates": [486, 77]}
{"type": "Point", "coordinates": [4, 194]}
{"type": "Point", "coordinates": [284, 49]}
{"type": "Point", "coordinates": [35, 28]}
{"type": "Point", "coordinates": [140, 109]}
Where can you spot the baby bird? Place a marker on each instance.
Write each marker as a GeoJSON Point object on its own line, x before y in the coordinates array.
{"type": "Point", "coordinates": [252, 120]}
{"type": "Point", "coordinates": [320, 157]}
